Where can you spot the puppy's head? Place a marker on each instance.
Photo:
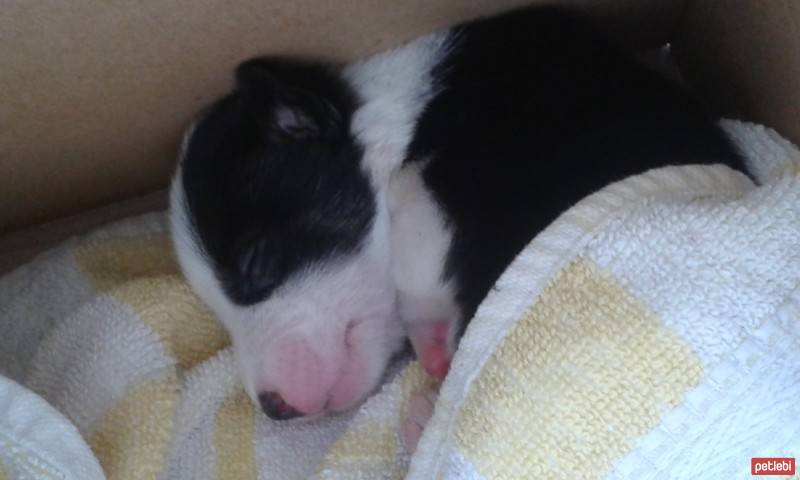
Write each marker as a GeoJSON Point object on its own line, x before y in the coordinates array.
{"type": "Point", "coordinates": [278, 228]}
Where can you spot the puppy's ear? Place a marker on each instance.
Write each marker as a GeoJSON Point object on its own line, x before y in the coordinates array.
{"type": "Point", "coordinates": [288, 100]}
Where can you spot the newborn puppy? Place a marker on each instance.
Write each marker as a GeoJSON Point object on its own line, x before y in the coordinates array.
{"type": "Point", "coordinates": [323, 213]}
{"type": "Point", "coordinates": [279, 228]}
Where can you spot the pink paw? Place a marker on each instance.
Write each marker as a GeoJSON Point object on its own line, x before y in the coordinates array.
{"type": "Point", "coordinates": [431, 342]}
{"type": "Point", "coordinates": [420, 410]}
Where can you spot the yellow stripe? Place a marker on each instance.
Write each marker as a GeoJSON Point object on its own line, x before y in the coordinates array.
{"type": "Point", "coordinates": [142, 273]}
{"type": "Point", "coordinates": [131, 439]}
{"type": "Point", "coordinates": [3, 473]}
{"type": "Point", "coordinates": [112, 262]}
{"type": "Point", "coordinates": [585, 371]}
{"type": "Point", "coordinates": [233, 439]}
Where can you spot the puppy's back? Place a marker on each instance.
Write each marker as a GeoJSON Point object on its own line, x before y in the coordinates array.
{"type": "Point", "coordinates": [535, 110]}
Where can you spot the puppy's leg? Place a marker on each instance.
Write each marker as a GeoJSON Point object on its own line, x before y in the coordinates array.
{"type": "Point", "coordinates": [421, 239]}
{"type": "Point", "coordinates": [433, 346]}
{"type": "Point", "coordinates": [433, 343]}
{"type": "Point", "coordinates": [420, 411]}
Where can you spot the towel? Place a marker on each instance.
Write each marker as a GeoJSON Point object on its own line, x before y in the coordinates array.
{"type": "Point", "coordinates": [650, 332]}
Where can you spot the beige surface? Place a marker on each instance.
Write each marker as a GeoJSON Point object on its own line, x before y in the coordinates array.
{"type": "Point", "coordinates": [19, 246]}
{"type": "Point", "coordinates": [94, 94]}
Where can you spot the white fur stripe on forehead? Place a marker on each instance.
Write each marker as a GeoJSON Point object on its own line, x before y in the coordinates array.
{"type": "Point", "coordinates": [394, 87]}
{"type": "Point", "coordinates": [192, 260]}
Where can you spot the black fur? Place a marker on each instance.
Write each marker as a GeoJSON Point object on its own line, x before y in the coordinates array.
{"type": "Point", "coordinates": [272, 177]}
{"type": "Point", "coordinates": [535, 112]}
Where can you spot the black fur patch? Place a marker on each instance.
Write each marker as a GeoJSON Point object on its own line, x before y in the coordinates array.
{"type": "Point", "coordinates": [535, 112]}
{"type": "Point", "coordinates": [272, 177]}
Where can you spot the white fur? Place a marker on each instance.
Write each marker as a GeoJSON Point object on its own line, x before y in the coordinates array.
{"type": "Point", "coordinates": [394, 88]}
{"type": "Point", "coordinates": [420, 242]}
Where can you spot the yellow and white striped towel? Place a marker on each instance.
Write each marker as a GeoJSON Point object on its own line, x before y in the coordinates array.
{"type": "Point", "coordinates": [650, 332]}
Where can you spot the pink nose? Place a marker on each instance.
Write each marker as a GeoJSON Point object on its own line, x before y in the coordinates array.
{"type": "Point", "coordinates": [301, 380]}
{"type": "Point", "coordinates": [275, 408]}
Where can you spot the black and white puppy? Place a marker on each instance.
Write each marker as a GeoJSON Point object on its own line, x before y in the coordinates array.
{"type": "Point", "coordinates": [326, 213]}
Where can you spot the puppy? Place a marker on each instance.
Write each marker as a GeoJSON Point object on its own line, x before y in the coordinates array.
{"type": "Point", "coordinates": [325, 213]}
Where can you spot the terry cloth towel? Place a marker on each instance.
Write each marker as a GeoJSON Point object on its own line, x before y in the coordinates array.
{"type": "Point", "coordinates": [650, 332]}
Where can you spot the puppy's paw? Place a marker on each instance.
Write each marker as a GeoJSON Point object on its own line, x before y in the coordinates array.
{"type": "Point", "coordinates": [431, 341]}
{"type": "Point", "coordinates": [420, 410]}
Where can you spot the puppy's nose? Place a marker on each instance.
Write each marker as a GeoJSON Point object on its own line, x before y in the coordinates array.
{"type": "Point", "coordinates": [275, 407]}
